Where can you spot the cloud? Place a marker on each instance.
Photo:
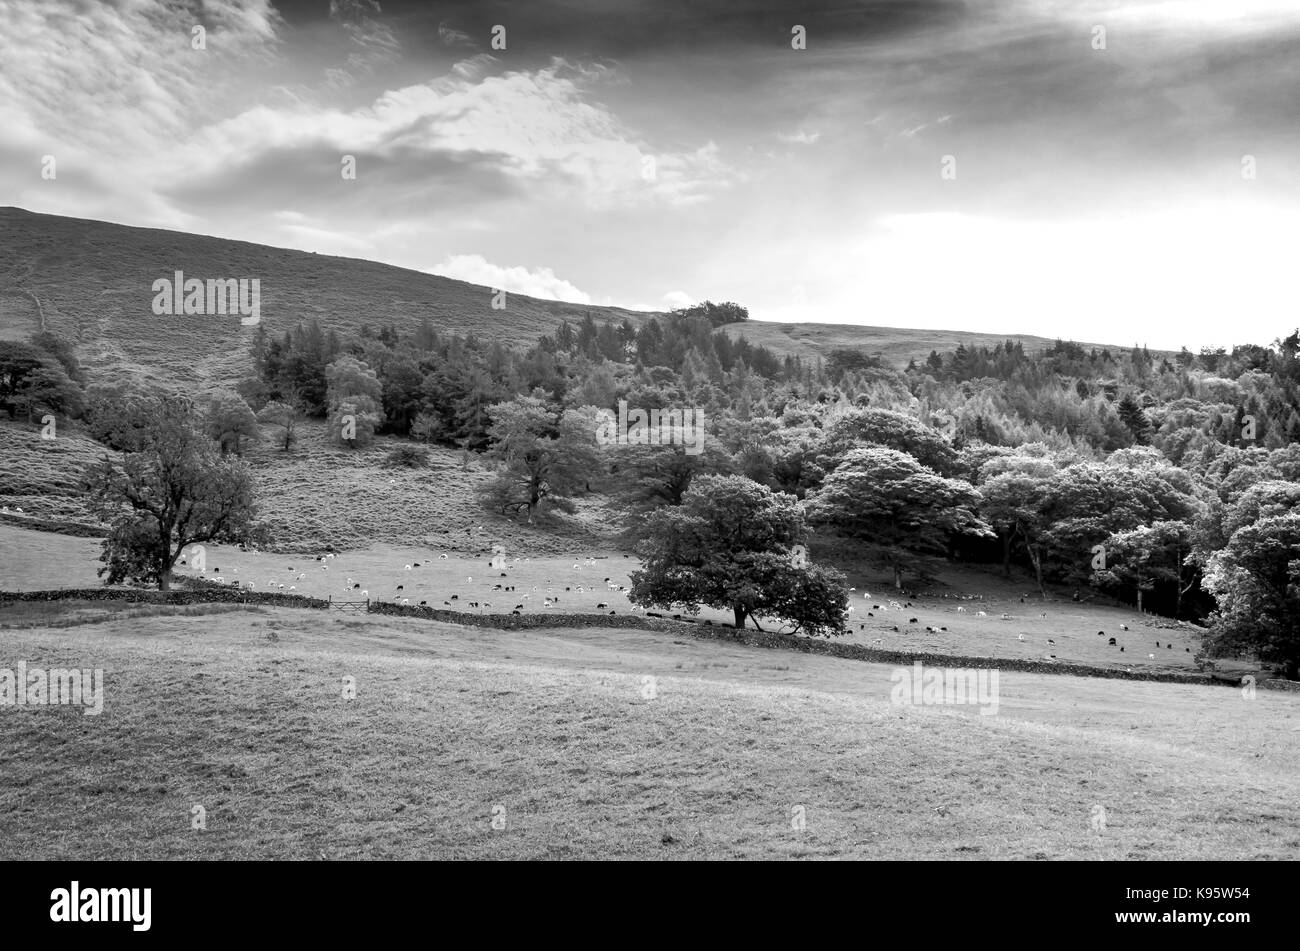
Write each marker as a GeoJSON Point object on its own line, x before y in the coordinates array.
{"type": "Point", "coordinates": [675, 299]}
{"type": "Point", "coordinates": [375, 42]}
{"type": "Point", "coordinates": [451, 37]}
{"type": "Point", "coordinates": [799, 138]}
{"type": "Point", "coordinates": [540, 282]}
{"type": "Point", "coordinates": [538, 127]}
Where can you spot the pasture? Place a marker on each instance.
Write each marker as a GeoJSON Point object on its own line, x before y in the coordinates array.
{"type": "Point", "coordinates": [576, 585]}
{"type": "Point", "coordinates": [610, 743]}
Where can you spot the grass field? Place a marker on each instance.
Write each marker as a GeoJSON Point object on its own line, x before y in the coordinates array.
{"type": "Point", "coordinates": [57, 561]}
{"type": "Point", "coordinates": [561, 737]}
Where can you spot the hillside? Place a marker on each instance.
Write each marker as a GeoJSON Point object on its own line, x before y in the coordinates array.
{"type": "Point", "coordinates": [90, 281]}
{"type": "Point", "coordinates": [896, 345]}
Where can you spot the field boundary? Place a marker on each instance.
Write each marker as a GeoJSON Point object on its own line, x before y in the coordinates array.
{"type": "Point", "coordinates": [697, 629]}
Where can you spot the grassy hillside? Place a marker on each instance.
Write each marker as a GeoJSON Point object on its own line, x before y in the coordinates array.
{"type": "Point", "coordinates": [609, 744]}
{"type": "Point", "coordinates": [91, 282]}
{"type": "Point", "coordinates": [896, 345]}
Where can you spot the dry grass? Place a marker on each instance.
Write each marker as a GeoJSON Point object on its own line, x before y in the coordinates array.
{"type": "Point", "coordinates": [449, 725]}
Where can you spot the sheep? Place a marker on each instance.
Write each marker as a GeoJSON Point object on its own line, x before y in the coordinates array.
{"type": "Point", "coordinates": [443, 556]}
{"type": "Point", "coordinates": [961, 610]}
{"type": "Point", "coordinates": [1111, 642]}
{"type": "Point", "coordinates": [1020, 637]}
{"type": "Point", "coordinates": [602, 605]}
{"type": "Point", "coordinates": [981, 614]}
{"type": "Point", "coordinates": [1157, 643]}
{"type": "Point", "coordinates": [365, 594]}
{"type": "Point", "coordinates": [1123, 627]}
{"type": "Point", "coordinates": [1151, 656]}
{"type": "Point", "coordinates": [1050, 641]}
{"type": "Point", "coordinates": [407, 567]}
{"type": "Point", "coordinates": [911, 620]}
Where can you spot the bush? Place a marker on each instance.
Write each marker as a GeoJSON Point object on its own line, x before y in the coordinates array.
{"type": "Point", "coordinates": [412, 457]}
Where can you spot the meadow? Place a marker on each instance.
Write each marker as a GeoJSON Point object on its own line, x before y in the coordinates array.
{"type": "Point", "coordinates": [613, 744]}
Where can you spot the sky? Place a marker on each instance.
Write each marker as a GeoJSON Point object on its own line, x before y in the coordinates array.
{"type": "Point", "coordinates": [1088, 169]}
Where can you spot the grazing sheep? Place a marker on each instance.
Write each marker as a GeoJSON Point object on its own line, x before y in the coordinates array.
{"type": "Point", "coordinates": [981, 614]}
{"type": "Point", "coordinates": [1151, 656]}
{"type": "Point", "coordinates": [1050, 641]}
{"type": "Point", "coordinates": [1111, 642]}
{"type": "Point", "coordinates": [911, 620]}
{"type": "Point", "coordinates": [1157, 643]}
{"type": "Point", "coordinates": [1020, 637]}
{"type": "Point", "coordinates": [602, 605]}
{"type": "Point", "coordinates": [961, 610]}
{"type": "Point", "coordinates": [1123, 627]}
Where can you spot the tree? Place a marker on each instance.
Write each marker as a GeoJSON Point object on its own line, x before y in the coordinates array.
{"type": "Point", "coordinates": [646, 477]}
{"type": "Point", "coordinates": [1256, 581]}
{"type": "Point", "coordinates": [546, 454]}
{"type": "Point", "coordinates": [48, 388]}
{"type": "Point", "coordinates": [171, 492]}
{"type": "Point", "coordinates": [893, 430]}
{"type": "Point", "coordinates": [733, 545]}
{"type": "Point", "coordinates": [1014, 494]}
{"type": "Point", "coordinates": [285, 418]}
{"type": "Point", "coordinates": [231, 420]}
{"type": "Point", "coordinates": [1131, 414]}
{"type": "Point", "coordinates": [1150, 554]}
{"type": "Point", "coordinates": [353, 395]}
{"type": "Point", "coordinates": [886, 497]}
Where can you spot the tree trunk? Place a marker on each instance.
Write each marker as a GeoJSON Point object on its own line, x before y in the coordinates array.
{"type": "Point", "coordinates": [1139, 600]}
{"type": "Point", "coordinates": [1037, 559]}
{"type": "Point", "coordinates": [165, 581]}
{"type": "Point", "coordinates": [740, 616]}
{"type": "Point", "coordinates": [1006, 556]}
{"type": "Point", "coordinates": [898, 576]}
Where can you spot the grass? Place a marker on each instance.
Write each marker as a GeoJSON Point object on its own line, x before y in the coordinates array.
{"type": "Point", "coordinates": [450, 724]}
{"type": "Point", "coordinates": [55, 561]}
{"type": "Point", "coordinates": [75, 612]}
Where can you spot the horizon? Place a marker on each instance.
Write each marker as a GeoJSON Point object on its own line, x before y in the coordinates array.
{"type": "Point", "coordinates": [1007, 169]}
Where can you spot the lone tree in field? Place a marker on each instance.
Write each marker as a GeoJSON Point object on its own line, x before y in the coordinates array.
{"type": "Point", "coordinates": [546, 454]}
{"type": "Point", "coordinates": [887, 497]}
{"type": "Point", "coordinates": [736, 546]}
{"type": "Point", "coordinates": [171, 492]}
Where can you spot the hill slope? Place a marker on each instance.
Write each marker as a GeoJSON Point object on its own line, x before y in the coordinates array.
{"type": "Point", "coordinates": [896, 345]}
{"type": "Point", "coordinates": [91, 281]}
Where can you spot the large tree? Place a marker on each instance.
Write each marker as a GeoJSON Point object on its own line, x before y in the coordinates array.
{"type": "Point", "coordinates": [886, 497]}
{"type": "Point", "coordinates": [1256, 580]}
{"type": "Point", "coordinates": [1149, 555]}
{"type": "Point", "coordinates": [172, 491]}
{"type": "Point", "coordinates": [230, 421]}
{"type": "Point", "coordinates": [546, 455]}
{"type": "Point", "coordinates": [737, 546]}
